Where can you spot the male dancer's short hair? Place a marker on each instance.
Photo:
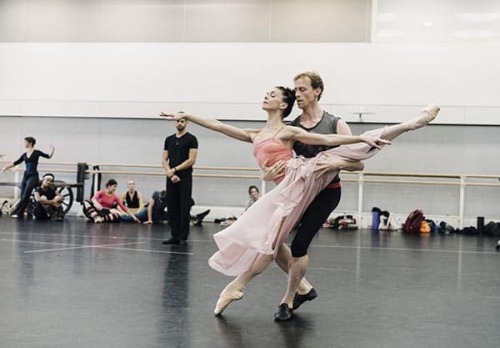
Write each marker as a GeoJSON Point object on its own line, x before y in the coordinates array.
{"type": "Point", "coordinates": [316, 80]}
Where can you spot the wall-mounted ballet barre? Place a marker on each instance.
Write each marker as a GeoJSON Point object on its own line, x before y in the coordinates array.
{"type": "Point", "coordinates": [361, 178]}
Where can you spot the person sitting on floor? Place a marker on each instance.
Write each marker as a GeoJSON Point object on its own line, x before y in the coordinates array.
{"type": "Point", "coordinates": [48, 201]}
{"type": "Point", "coordinates": [132, 199]}
{"type": "Point", "coordinates": [155, 211]}
{"type": "Point", "coordinates": [103, 205]}
{"type": "Point", "coordinates": [253, 196]}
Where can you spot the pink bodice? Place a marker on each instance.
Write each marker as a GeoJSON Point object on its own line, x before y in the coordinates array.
{"type": "Point", "coordinates": [271, 151]}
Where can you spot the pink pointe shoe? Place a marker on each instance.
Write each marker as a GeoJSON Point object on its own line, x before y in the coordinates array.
{"type": "Point", "coordinates": [426, 116]}
{"type": "Point", "coordinates": [225, 299]}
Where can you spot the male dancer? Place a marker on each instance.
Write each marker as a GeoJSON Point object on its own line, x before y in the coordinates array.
{"type": "Point", "coordinates": [309, 88]}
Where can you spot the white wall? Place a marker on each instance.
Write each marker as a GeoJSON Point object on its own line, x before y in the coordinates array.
{"type": "Point", "coordinates": [229, 80]}
{"type": "Point", "coordinates": [91, 76]}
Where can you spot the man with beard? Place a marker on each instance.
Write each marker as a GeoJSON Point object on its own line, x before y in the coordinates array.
{"type": "Point", "coordinates": [179, 155]}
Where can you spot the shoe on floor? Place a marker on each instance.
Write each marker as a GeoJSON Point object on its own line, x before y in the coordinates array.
{"type": "Point", "coordinates": [298, 300]}
{"type": "Point", "coordinates": [14, 216]}
{"type": "Point", "coordinates": [198, 218]}
{"type": "Point", "coordinates": [171, 241]}
{"type": "Point", "coordinates": [201, 216]}
{"type": "Point", "coordinates": [284, 313]}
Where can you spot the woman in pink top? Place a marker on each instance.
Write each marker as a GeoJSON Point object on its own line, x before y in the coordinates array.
{"type": "Point", "coordinates": [249, 245]}
{"type": "Point", "coordinates": [103, 205]}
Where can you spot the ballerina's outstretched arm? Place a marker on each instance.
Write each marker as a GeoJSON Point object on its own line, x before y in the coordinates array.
{"type": "Point", "coordinates": [298, 134]}
{"type": "Point", "coordinates": [215, 125]}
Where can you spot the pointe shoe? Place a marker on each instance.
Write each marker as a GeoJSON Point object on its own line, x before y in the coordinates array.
{"type": "Point", "coordinates": [225, 299]}
{"type": "Point", "coordinates": [426, 116]}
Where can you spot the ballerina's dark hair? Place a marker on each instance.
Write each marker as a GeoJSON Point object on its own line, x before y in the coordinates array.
{"type": "Point", "coordinates": [288, 98]}
{"type": "Point", "coordinates": [31, 140]}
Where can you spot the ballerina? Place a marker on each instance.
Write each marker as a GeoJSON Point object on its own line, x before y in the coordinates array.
{"type": "Point", "coordinates": [30, 177]}
{"type": "Point", "coordinates": [247, 247]}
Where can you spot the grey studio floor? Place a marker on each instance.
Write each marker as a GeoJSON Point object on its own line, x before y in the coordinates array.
{"type": "Point", "coordinates": [78, 284]}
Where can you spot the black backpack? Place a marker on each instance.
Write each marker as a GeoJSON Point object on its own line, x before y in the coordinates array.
{"type": "Point", "coordinates": [492, 228]}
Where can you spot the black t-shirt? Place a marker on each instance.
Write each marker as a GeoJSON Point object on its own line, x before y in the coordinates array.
{"type": "Point", "coordinates": [49, 193]}
{"type": "Point", "coordinates": [159, 206]}
{"type": "Point", "coordinates": [178, 152]}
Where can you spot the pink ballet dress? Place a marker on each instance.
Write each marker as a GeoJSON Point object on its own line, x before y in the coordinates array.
{"type": "Point", "coordinates": [267, 223]}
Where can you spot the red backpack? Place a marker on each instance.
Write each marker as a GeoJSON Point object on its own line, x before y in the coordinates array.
{"type": "Point", "coordinates": [413, 221]}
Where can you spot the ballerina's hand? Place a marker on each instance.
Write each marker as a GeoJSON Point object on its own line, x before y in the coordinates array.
{"type": "Point", "coordinates": [173, 116]}
{"type": "Point", "coordinates": [375, 142]}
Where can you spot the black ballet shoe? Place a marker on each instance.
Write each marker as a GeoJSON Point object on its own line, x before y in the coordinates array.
{"type": "Point", "coordinates": [284, 313]}
{"type": "Point", "coordinates": [171, 241]}
{"type": "Point", "coordinates": [298, 300]}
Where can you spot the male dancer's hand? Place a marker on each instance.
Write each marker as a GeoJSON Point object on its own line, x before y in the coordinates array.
{"type": "Point", "coordinates": [375, 142]}
{"type": "Point", "coordinates": [272, 172]}
{"type": "Point", "coordinates": [175, 179]}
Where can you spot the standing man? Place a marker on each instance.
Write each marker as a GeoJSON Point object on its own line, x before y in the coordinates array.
{"type": "Point", "coordinates": [179, 156]}
{"type": "Point", "coordinates": [308, 90]}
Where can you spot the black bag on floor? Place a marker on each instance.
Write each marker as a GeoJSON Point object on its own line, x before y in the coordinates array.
{"type": "Point", "coordinates": [492, 228]}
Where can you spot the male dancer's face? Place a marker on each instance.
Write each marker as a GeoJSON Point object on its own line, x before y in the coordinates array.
{"type": "Point", "coordinates": [305, 94]}
{"type": "Point", "coordinates": [181, 124]}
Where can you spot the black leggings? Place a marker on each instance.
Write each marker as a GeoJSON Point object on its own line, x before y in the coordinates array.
{"type": "Point", "coordinates": [312, 220]}
{"type": "Point", "coordinates": [91, 212]}
{"type": "Point", "coordinates": [29, 183]}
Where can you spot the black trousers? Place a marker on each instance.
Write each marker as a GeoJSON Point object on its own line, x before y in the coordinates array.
{"type": "Point", "coordinates": [29, 183]}
{"type": "Point", "coordinates": [314, 217]}
{"type": "Point", "coordinates": [179, 203]}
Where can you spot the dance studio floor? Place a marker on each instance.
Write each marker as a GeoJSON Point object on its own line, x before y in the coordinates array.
{"type": "Point", "coordinates": [76, 284]}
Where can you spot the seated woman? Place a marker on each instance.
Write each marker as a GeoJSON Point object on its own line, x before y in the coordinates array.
{"type": "Point", "coordinates": [103, 207]}
{"type": "Point", "coordinates": [132, 198]}
{"type": "Point", "coordinates": [253, 196]}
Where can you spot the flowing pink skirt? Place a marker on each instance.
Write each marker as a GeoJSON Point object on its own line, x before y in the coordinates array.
{"type": "Point", "coordinates": [268, 222]}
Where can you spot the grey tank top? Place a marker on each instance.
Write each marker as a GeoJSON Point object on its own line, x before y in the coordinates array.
{"type": "Point", "coordinates": [327, 125]}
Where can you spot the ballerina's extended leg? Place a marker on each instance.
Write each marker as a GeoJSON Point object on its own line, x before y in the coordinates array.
{"type": "Point", "coordinates": [234, 290]}
{"type": "Point", "coordinates": [426, 116]}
